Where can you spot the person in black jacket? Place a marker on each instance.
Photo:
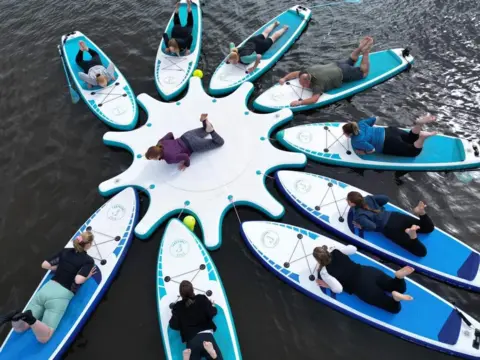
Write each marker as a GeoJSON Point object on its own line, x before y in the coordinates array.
{"type": "Point", "coordinates": [181, 37]}
{"type": "Point", "coordinates": [193, 317]}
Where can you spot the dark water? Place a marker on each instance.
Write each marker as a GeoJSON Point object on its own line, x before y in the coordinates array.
{"type": "Point", "coordinates": [52, 159]}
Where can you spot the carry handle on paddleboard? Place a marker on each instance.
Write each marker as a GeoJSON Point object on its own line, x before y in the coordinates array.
{"type": "Point", "coordinates": [476, 340]}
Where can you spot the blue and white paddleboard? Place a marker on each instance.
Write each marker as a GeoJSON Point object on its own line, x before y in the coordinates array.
{"type": "Point", "coordinates": [323, 200]}
{"type": "Point", "coordinates": [183, 257]}
{"type": "Point", "coordinates": [112, 226]}
{"type": "Point", "coordinates": [172, 72]}
{"type": "Point", "coordinates": [325, 142]}
{"type": "Point", "coordinates": [115, 104]}
{"type": "Point", "coordinates": [383, 66]}
{"type": "Point", "coordinates": [228, 77]}
{"type": "Point", "coordinates": [428, 320]}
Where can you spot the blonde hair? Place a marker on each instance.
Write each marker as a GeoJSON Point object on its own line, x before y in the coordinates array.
{"type": "Point", "coordinates": [234, 54]}
{"type": "Point", "coordinates": [82, 240]}
{"type": "Point", "coordinates": [102, 80]}
{"type": "Point", "coordinates": [173, 43]}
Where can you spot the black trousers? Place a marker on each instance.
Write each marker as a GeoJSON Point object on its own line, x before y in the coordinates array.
{"type": "Point", "coordinates": [176, 22]}
{"type": "Point", "coordinates": [400, 143]}
{"type": "Point", "coordinates": [373, 285]}
{"type": "Point", "coordinates": [88, 64]}
{"type": "Point", "coordinates": [198, 351]}
{"type": "Point", "coordinates": [395, 231]}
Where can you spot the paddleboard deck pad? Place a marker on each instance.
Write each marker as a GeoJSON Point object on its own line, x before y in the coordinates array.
{"type": "Point", "coordinates": [428, 320]}
{"type": "Point", "coordinates": [115, 104]}
{"type": "Point", "coordinates": [228, 77]}
{"type": "Point", "coordinates": [323, 200]}
{"type": "Point", "coordinates": [172, 72]}
{"type": "Point", "coordinates": [112, 226]}
{"type": "Point", "coordinates": [183, 257]}
{"type": "Point", "coordinates": [325, 142]}
{"type": "Point", "coordinates": [383, 66]}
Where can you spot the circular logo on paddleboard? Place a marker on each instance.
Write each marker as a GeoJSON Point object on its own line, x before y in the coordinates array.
{"type": "Point", "coordinates": [270, 239]}
{"type": "Point", "coordinates": [277, 96]}
{"type": "Point", "coordinates": [179, 248]}
{"type": "Point", "coordinates": [116, 212]}
{"type": "Point", "coordinates": [303, 186]}
{"type": "Point", "coordinates": [119, 110]}
{"type": "Point", "coordinates": [170, 80]}
{"type": "Point", "coordinates": [305, 137]}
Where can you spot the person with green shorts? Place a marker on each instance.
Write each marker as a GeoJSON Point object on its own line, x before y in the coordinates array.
{"type": "Point", "coordinates": [71, 268]}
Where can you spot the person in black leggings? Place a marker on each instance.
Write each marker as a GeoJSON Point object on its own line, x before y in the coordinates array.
{"type": "Point", "coordinates": [368, 214]}
{"type": "Point", "coordinates": [94, 73]}
{"type": "Point", "coordinates": [193, 317]}
{"type": "Point", "coordinates": [181, 39]}
{"type": "Point", "coordinates": [339, 273]}
{"type": "Point", "coordinates": [368, 139]}
{"type": "Point", "coordinates": [255, 47]}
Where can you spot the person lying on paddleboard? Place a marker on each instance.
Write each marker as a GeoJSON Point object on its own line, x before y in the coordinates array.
{"type": "Point", "coordinates": [368, 139]}
{"type": "Point", "coordinates": [255, 47]}
{"type": "Point", "coordinates": [181, 39]}
{"type": "Point", "coordinates": [95, 74]}
{"type": "Point", "coordinates": [193, 317]}
{"type": "Point", "coordinates": [338, 272]}
{"type": "Point", "coordinates": [71, 268]}
{"type": "Point", "coordinates": [179, 150]}
{"type": "Point", "coordinates": [322, 78]}
{"type": "Point", "coordinates": [369, 215]}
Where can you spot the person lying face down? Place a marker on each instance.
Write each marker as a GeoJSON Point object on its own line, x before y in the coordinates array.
{"type": "Point", "coordinates": [367, 138]}
{"type": "Point", "coordinates": [95, 74]}
{"type": "Point", "coordinates": [255, 47]}
{"type": "Point", "coordinates": [178, 151]}
{"type": "Point", "coordinates": [322, 78]}
{"type": "Point", "coordinates": [181, 39]}
{"type": "Point", "coordinates": [193, 317]}
{"type": "Point", "coordinates": [338, 272]}
{"type": "Point", "coordinates": [71, 267]}
{"type": "Point", "coordinates": [369, 214]}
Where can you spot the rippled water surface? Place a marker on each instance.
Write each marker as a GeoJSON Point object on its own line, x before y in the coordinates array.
{"type": "Point", "coordinates": [52, 159]}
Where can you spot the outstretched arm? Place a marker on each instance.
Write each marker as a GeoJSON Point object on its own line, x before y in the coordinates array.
{"type": "Point", "coordinates": [331, 281]}
{"type": "Point", "coordinates": [289, 76]}
{"type": "Point", "coordinates": [381, 199]}
{"type": "Point", "coordinates": [311, 100]}
{"type": "Point", "coordinates": [370, 121]}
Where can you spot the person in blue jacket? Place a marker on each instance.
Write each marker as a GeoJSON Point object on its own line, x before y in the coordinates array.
{"type": "Point", "coordinates": [368, 139]}
{"type": "Point", "coordinates": [369, 214]}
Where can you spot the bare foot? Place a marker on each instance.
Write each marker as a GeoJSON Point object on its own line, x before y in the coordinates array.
{"type": "Point", "coordinates": [83, 46]}
{"type": "Point", "coordinates": [177, 6]}
{"type": "Point", "coordinates": [368, 46]}
{"type": "Point", "coordinates": [210, 349]}
{"type": "Point", "coordinates": [426, 134]}
{"type": "Point", "coordinates": [208, 126]}
{"type": "Point", "coordinates": [276, 24]}
{"type": "Point", "coordinates": [186, 354]}
{"type": "Point", "coordinates": [405, 271]}
{"type": "Point", "coordinates": [422, 120]}
{"type": "Point", "coordinates": [420, 208]}
{"type": "Point", "coordinates": [399, 297]}
{"type": "Point", "coordinates": [412, 231]}
{"type": "Point", "coordinates": [285, 27]}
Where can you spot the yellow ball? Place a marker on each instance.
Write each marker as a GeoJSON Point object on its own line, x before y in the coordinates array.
{"type": "Point", "coordinates": [198, 73]}
{"type": "Point", "coordinates": [190, 222]}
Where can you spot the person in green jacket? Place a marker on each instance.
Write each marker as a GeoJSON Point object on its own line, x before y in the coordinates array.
{"type": "Point", "coordinates": [322, 78]}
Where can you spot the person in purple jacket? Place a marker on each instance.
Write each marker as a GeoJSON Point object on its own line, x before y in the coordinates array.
{"type": "Point", "coordinates": [369, 214]}
{"type": "Point", "coordinates": [368, 139]}
{"type": "Point", "coordinates": [179, 150]}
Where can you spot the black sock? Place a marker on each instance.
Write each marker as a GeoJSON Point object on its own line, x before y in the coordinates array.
{"type": "Point", "coordinates": [26, 316]}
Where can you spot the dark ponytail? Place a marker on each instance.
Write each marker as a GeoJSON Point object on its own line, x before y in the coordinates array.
{"type": "Point", "coordinates": [186, 292]}
{"type": "Point", "coordinates": [357, 198]}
